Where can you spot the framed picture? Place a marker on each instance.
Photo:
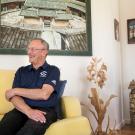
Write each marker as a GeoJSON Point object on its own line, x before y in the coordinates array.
{"type": "Point", "coordinates": [64, 24]}
{"type": "Point", "coordinates": [131, 31]}
{"type": "Point", "coordinates": [116, 30]}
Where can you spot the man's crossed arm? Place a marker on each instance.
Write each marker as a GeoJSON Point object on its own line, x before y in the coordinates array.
{"type": "Point", "coordinates": [15, 96]}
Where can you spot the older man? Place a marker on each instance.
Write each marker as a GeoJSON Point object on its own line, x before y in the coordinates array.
{"type": "Point", "coordinates": [32, 94]}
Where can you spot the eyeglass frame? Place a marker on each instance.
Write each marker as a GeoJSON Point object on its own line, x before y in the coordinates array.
{"type": "Point", "coordinates": [34, 49]}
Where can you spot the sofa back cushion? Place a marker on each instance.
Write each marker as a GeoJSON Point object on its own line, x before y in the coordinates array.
{"type": "Point", "coordinates": [6, 80]}
{"type": "Point", "coordinates": [70, 107]}
{"type": "Point", "coordinates": [60, 89]}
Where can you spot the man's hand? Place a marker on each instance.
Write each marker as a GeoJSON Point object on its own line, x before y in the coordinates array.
{"type": "Point", "coordinates": [9, 94]}
{"type": "Point", "coordinates": [36, 115]}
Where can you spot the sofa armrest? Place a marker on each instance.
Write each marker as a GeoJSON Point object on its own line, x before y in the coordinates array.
{"type": "Point", "coordinates": [71, 126]}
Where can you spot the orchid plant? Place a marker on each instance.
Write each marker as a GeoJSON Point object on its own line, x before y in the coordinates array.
{"type": "Point", "coordinates": [97, 75]}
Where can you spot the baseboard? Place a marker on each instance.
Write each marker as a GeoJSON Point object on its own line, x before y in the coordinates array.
{"type": "Point", "coordinates": [124, 122]}
{"type": "Point", "coordinates": [120, 125]}
{"type": "Point", "coordinates": [127, 121]}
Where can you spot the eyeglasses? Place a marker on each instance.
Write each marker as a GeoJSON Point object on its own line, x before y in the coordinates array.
{"type": "Point", "coordinates": [34, 49]}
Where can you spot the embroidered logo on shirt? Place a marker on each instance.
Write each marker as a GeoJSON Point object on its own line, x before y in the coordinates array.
{"type": "Point", "coordinates": [54, 82]}
{"type": "Point", "coordinates": [43, 74]}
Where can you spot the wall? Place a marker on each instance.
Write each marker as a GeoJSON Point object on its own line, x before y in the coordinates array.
{"type": "Point", "coordinates": [127, 10]}
{"type": "Point", "coordinates": [104, 45]}
{"type": "Point", "coordinates": [74, 68]}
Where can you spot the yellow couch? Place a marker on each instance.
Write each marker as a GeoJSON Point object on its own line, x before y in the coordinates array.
{"type": "Point", "coordinates": [73, 122]}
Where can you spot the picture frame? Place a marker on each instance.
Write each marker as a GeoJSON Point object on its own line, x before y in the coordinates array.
{"type": "Point", "coordinates": [131, 31]}
{"type": "Point", "coordinates": [76, 43]}
{"type": "Point", "coordinates": [116, 29]}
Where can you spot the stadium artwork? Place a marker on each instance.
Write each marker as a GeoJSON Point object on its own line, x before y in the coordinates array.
{"type": "Point", "coordinates": [64, 24]}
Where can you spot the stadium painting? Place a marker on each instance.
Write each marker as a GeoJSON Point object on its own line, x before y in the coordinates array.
{"type": "Point", "coordinates": [62, 23]}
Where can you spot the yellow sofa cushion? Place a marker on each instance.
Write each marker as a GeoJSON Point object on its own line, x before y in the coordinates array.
{"type": "Point", "coordinates": [70, 126]}
{"type": "Point", "coordinates": [69, 102]}
{"type": "Point", "coordinates": [6, 79]}
{"type": "Point", "coordinates": [1, 116]}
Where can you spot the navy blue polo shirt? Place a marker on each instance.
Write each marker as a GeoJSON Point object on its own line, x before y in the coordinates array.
{"type": "Point", "coordinates": [31, 78]}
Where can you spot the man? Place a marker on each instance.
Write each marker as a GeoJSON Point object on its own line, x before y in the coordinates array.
{"type": "Point", "coordinates": [32, 94]}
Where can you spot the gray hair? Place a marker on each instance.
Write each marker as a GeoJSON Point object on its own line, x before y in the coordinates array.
{"type": "Point", "coordinates": [42, 41]}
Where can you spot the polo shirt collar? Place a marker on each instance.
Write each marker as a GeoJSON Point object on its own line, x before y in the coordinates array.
{"type": "Point", "coordinates": [43, 66]}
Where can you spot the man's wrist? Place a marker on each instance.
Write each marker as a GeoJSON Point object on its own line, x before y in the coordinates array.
{"type": "Point", "coordinates": [15, 92]}
{"type": "Point", "coordinates": [27, 111]}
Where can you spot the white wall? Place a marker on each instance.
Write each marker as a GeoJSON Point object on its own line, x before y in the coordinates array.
{"type": "Point", "coordinates": [127, 11]}
{"type": "Point", "coordinates": [104, 45]}
{"type": "Point", "coordinates": [74, 68]}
